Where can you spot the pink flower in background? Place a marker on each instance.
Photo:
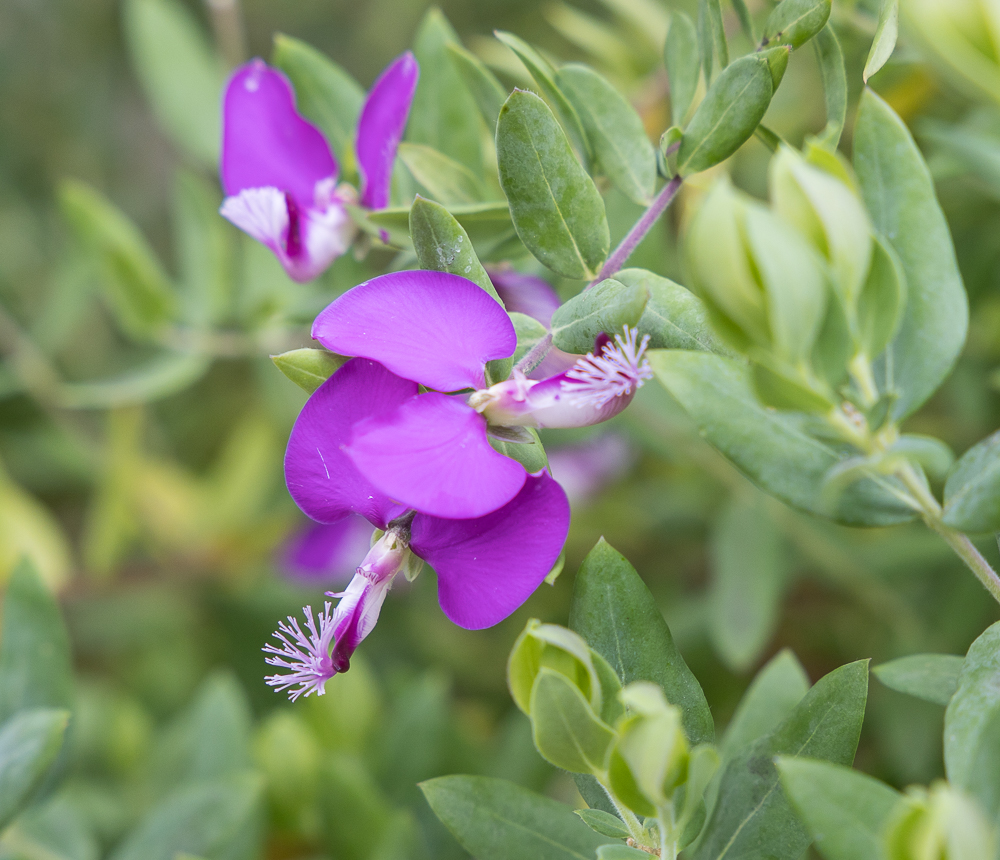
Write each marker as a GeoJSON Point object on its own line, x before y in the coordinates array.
{"type": "Point", "coordinates": [280, 176]}
{"type": "Point", "coordinates": [325, 553]}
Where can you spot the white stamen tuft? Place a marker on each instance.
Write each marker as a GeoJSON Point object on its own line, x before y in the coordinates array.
{"type": "Point", "coordinates": [306, 656]}
{"type": "Point", "coordinates": [619, 370]}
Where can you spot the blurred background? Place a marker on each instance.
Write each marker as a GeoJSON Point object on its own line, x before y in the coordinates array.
{"type": "Point", "coordinates": [141, 470]}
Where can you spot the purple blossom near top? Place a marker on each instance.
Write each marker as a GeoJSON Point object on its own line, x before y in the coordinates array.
{"type": "Point", "coordinates": [524, 294]}
{"type": "Point", "coordinates": [280, 176]}
{"type": "Point", "coordinates": [486, 566]}
{"type": "Point", "coordinates": [432, 452]}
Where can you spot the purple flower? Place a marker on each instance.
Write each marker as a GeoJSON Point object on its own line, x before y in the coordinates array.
{"type": "Point", "coordinates": [321, 553]}
{"type": "Point", "coordinates": [486, 566]}
{"type": "Point", "coordinates": [280, 176]}
{"type": "Point", "coordinates": [524, 294]}
{"type": "Point", "coordinates": [431, 452]}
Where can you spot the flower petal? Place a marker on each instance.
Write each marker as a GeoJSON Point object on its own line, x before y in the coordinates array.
{"type": "Point", "coordinates": [265, 142]}
{"type": "Point", "coordinates": [432, 455]}
{"type": "Point", "coordinates": [380, 128]}
{"type": "Point", "coordinates": [525, 294]}
{"type": "Point", "coordinates": [488, 567]}
{"type": "Point", "coordinates": [435, 328]}
{"type": "Point", "coordinates": [321, 478]}
{"type": "Point", "coordinates": [326, 553]}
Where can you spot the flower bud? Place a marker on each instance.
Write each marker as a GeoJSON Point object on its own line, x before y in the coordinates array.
{"type": "Point", "coordinates": [762, 282]}
{"type": "Point", "coordinates": [940, 824]}
{"type": "Point", "coordinates": [649, 762]}
{"type": "Point", "coordinates": [556, 648]}
{"type": "Point", "coordinates": [823, 206]}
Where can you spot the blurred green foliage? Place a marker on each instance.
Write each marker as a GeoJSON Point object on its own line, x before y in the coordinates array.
{"type": "Point", "coordinates": [141, 447]}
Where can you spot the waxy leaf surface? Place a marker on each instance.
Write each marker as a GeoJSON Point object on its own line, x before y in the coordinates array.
{"type": "Point", "coordinates": [899, 193]}
{"type": "Point", "coordinates": [556, 208]}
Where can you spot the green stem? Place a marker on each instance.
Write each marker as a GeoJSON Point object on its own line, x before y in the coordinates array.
{"type": "Point", "coordinates": [960, 543]}
{"type": "Point", "coordinates": [668, 839]}
{"type": "Point", "coordinates": [624, 813]}
{"type": "Point", "coordinates": [861, 372]}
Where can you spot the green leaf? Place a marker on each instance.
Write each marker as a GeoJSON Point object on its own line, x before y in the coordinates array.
{"type": "Point", "coordinates": [222, 817]}
{"type": "Point", "coordinates": [833, 73]}
{"type": "Point", "coordinates": [308, 368]}
{"type": "Point", "coordinates": [751, 567]}
{"type": "Point", "coordinates": [885, 37]}
{"type": "Point", "coordinates": [746, 19]}
{"type": "Point", "coordinates": [565, 728]}
{"type": "Point", "coordinates": [530, 455]}
{"type": "Point", "coordinates": [606, 307]}
{"type": "Point", "coordinates": [899, 194]}
{"type": "Point", "coordinates": [795, 22]}
{"type": "Point", "coordinates": [711, 12]}
{"type": "Point", "coordinates": [680, 54]}
{"type": "Point", "coordinates": [488, 92]}
{"type": "Point", "coordinates": [442, 245]}
{"type": "Point", "coordinates": [674, 317]}
{"type": "Point", "coordinates": [211, 739]}
{"type": "Point", "coordinates": [444, 114]}
{"type": "Point", "coordinates": [182, 76]}
{"type": "Point", "coordinates": [882, 300]}
{"type": "Point", "coordinates": [752, 819]}
{"type": "Point", "coordinates": [972, 491]}
{"type": "Point", "coordinates": [604, 823]}
{"type": "Point", "coordinates": [29, 743]}
{"type": "Point", "coordinates": [160, 377]}
{"type": "Point", "coordinates": [972, 724]}
{"type": "Point", "coordinates": [768, 701]}
{"type": "Point", "coordinates": [622, 150]}
{"type": "Point", "coordinates": [556, 208]}
{"type": "Point", "coordinates": [324, 94]}
{"type": "Point", "coordinates": [447, 180]}
{"type": "Point", "coordinates": [727, 116]}
{"type": "Point", "coordinates": [774, 449]}
{"type": "Point", "coordinates": [545, 76]}
{"type": "Point", "coordinates": [35, 665]}
{"type": "Point", "coordinates": [529, 332]}
{"type": "Point", "coordinates": [496, 820]}
{"type": "Point", "coordinates": [931, 677]}
{"type": "Point", "coordinates": [205, 259]}
{"type": "Point", "coordinates": [133, 283]}
{"type": "Point", "coordinates": [613, 610]}
{"type": "Point", "coordinates": [844, 811]}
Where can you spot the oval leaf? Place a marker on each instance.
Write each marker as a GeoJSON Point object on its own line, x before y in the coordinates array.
{"type": "Point", "coordinates": [623, 151]}
{"type": "Point", "coordinates": [899, 193]}
{"type": "Point", "coordinates": [972, 491]}
{"type": "Point", "coordinates": [556, 208]}
{"type": "Point", "coordinates": [607, 307]}
{"type": "Point", "coordinates": [29, 743]}
{"type": "Point", "coordinates": [497, 820]}
{"type": "Point", "coordinates": [773, 448]}
{"type": "Point", "coordinates": [931, 677]}
{"type": "Point", "coordinates": [727, 117]}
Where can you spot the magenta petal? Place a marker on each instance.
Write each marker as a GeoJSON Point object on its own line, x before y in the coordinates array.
{"type": "Point", "coordinates": [321, 478]}
{"type": "Point", "coordinates": [380, 128]}
{"type": "Point", "coordinates": [326, 553]}
{"type": "Point", "coordinates": [525, 294]}
{"type": "Point", "coordinates": [266, 143]}
{"type": "Point", "coordinates": [432, 455]}
{"type": "Point", "coordinates": [488, 567]}
{"type": "Point", "coordinates": [432, 327]}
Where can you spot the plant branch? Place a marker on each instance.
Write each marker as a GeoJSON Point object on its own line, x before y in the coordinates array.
{"type": "Point", "coordinates": [535, 356]}
{"type": "Point", "coordinates": [960, 543]}
{"type": "Point", "coordinates": [621, 254]}
{"type": "Point", "coordinates": [227, 22]}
